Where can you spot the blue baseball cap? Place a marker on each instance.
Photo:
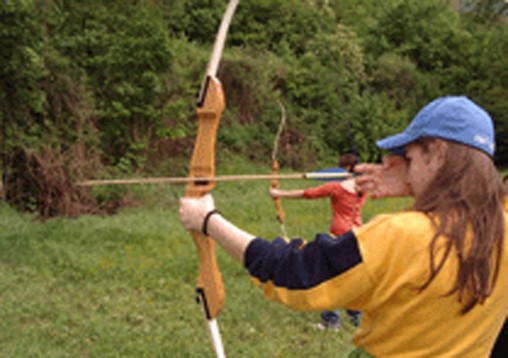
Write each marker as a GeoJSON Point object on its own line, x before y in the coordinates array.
{"type": "Point", "coordinates": [454, 118]}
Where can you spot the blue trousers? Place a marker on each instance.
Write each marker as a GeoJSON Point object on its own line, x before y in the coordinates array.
{"type": "Point", "coordinates": [332, 317]}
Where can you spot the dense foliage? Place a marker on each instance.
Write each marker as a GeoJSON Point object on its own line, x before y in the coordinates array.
{"type": "Point", "coordinates": [106, 88]}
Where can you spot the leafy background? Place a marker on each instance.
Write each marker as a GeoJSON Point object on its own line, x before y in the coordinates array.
{"type": "Point", "coordinates": [106, 88]}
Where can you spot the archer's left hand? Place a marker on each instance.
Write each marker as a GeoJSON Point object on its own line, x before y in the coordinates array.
{"type": "Point", "coordinates": [275, 193]}
{"type": "Point", "coordinates": [193, 211]}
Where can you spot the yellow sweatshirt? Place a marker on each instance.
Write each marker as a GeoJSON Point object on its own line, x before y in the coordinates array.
{"type": "Point", "coordinates": [378, 269]}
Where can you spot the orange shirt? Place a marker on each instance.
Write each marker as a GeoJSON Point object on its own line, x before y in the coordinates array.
{"type": "Point", "coordinates": [346, 206]}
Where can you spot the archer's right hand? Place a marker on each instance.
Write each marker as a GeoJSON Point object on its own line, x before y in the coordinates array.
{"type": "Point", "coordinates": [384, 180]}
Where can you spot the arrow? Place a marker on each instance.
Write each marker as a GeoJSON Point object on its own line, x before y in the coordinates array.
{"type": "Point", "coordinates": [221, 178]}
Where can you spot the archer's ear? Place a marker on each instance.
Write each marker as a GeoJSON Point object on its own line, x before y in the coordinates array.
{"type": "Point", "coordinates": [442, 147]}
{"type": "Point", "coordinates": [439, 148]}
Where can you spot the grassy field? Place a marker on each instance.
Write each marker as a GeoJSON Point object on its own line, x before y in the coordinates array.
{"type": "Point", "coordinates": [123, 285]}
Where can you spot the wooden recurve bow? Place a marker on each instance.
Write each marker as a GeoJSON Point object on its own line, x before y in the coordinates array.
{"type": "Point", "coordinates": [281, 217]}
{"type": "Point", "coordinates": [209, 107]}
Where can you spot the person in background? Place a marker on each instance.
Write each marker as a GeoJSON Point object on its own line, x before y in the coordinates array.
{"type": "Point", "coordinates": [346, 203]}
{"type": "Point", "coordinates": [431, 281]}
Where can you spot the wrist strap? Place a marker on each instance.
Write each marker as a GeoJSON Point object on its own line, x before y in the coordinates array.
{"type": "Point", "coordinates": [204, 229]}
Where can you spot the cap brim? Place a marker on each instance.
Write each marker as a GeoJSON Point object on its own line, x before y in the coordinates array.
{"type": "Point", "coordinates": [395, 142]}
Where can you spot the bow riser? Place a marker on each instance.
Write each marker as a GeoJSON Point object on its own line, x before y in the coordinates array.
{"type": "Point", "coordinates": [210, 285]}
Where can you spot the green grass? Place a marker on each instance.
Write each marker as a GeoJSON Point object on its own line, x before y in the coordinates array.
{"type": "Point", "coordinates": [123, 286]}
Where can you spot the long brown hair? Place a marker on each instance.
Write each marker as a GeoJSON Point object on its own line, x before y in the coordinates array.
{"type": "Point", "coordinates": [465, 204]}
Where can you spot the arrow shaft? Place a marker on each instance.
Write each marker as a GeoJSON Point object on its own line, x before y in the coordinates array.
{"type": "Point", "coordinates": [222, 178]}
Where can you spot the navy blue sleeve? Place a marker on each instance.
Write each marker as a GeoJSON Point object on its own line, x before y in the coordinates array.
{"type": "Point", "coordinates": [301, 265]}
